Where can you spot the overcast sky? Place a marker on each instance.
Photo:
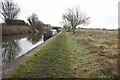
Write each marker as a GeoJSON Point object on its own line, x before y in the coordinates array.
{"type": "Point", "coordinates": [103, 13]}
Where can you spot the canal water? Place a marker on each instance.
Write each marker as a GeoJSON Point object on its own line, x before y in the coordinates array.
{"type": "Point", "coordinates": [14, 46]}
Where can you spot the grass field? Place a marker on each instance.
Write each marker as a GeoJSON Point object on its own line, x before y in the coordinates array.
{"type": "Point", "coordinates": [83, 55]}
{"type": "Point", "coordinates": [103, 44]}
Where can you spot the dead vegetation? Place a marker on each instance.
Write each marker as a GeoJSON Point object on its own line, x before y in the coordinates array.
{"type": "Point", "coordinates": [15, 29]}
{"type": "Point", "coordinates": [103, 44]}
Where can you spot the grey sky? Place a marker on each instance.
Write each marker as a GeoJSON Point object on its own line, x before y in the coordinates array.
{"type": "Point", "coordinates": [103, 13]}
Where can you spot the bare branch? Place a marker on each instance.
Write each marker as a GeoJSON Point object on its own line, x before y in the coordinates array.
{"type": "Point", "coordinates": [75, 17]}
{"type": "Point", "coordinates": [9, 10]}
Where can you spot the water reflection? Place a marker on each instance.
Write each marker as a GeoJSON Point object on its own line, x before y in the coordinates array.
{"type": "Point", "coordinates": [12, 45]}
{"type": "Point", "coordinates": [10, 51]}
{"type": "Point", "coordinates": [34, 38]}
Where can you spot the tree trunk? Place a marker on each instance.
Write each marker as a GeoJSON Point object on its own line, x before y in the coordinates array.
{"type": "Point", "coordinates": [73, 31]}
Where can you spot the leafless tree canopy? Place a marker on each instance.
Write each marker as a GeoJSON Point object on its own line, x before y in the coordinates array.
{"type": "Point", "coordinates": [9, 10]}
{"type": "Point", "coordinates": [32, 19]}
{"type": "Point", "coordinates": [74, 17]}
{"type": "Point", "coordinates": [36, 24]}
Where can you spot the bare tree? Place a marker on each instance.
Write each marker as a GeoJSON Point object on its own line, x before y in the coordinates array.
{"type": "Point", "coordinates": [66, 24]}
{"type": "Point", "coordinates": [9, 10]}
{"type": "Point", "coordinates": [36, 24]}
{"type": "Point", "coordinates": [75, 17]}
{"type": "Point", "coordinates": [32, 19]}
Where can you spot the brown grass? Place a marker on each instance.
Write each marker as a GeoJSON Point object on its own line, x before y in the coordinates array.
{"type": "Point", "coordinates": [103, 45]}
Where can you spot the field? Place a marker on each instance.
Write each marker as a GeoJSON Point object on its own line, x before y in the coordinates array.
{"type": "Point", "coordinates": [104, 44]}
{"type": "Point", "coordinates": [86, 54]}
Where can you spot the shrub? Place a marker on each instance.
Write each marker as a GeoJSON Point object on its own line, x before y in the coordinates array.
{"type": "Point", "coordinates": [15, 22]}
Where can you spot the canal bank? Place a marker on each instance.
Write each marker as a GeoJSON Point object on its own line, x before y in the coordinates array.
{"type": "Point", "coordinates": [12, 66]}
{"type": "Point", "coordinates": [66, 56]}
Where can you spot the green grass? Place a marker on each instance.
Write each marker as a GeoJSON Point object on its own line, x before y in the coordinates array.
{"type": "Point", "coordinates": [63, 57]}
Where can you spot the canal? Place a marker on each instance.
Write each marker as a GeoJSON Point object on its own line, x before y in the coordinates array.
{"type": "Point", "coordinates": [14, 46]}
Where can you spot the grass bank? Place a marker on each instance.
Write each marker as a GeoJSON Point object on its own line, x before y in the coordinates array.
{"type": "Point", "coordinates": [65, 56]}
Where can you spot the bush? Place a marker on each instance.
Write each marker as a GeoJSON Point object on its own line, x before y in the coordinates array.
{"type": "Point", "coordinates": [15, 22]}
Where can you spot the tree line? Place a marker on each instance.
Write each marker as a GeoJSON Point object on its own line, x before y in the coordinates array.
{"type": "Point", "coordinates": [70, 19]}
{"type": "Point", "coordinates": [9, 11]}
